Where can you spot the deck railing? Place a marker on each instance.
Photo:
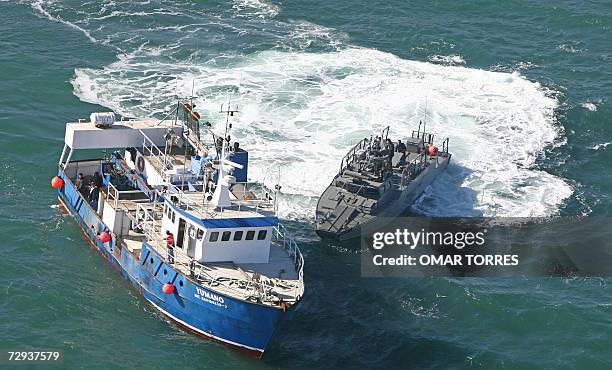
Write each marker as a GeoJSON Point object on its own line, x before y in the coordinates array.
{"type": "Point", "coordinates": [148, 146]}
{"type": "Point", "coordinates": [114, 195]}
{"type": "Point", "coordinates": [445, 146]}
{"type": "Point", "coordinates": [261, 202]}
{"type": "Point", "coordinates": [426, 138]}
{"type": "Point", "coordinates": [293, 250]}
{"type": "Point", "coordinates": [146, 220]}
{"type": "Point", "coordinates": [350, 156]}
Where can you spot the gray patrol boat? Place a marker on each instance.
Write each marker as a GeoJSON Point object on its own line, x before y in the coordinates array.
{"type": "Point", "coordinates": [379, 177]}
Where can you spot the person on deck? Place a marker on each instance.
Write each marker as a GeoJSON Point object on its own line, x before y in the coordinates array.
{"type": "Point", "coordinates": [80, 183]}
{"type": "Point", "coordinates": [97, 179]}
{"type": "Point", "coordinates": [401, 147]}
{"type": "Point", "coordinates": [94, 195]}
{"type": "Point", "coordinates": [170, 246]}
{"type": "Point", "coordinates": [390, 147]}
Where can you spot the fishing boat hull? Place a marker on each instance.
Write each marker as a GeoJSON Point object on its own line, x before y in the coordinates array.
{"type": "Point", "coordinates": [246, 325]}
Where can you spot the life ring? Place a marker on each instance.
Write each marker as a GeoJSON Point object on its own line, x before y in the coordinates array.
{"type": "Point", "coordinates": [248, 197]}
{"type": "Point", "coordinates": [140, 164]}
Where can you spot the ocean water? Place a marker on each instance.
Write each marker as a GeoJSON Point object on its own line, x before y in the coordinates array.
{"type": "Point", "coordinates": [522, 89]}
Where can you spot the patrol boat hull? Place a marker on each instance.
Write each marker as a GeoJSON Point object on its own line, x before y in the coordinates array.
{"type": "Point", "coordinates": [375, 182]}
{"type": "Point", "coordinates": [248, 326]}
{"type": "Point", "coordinates": [396, 207]}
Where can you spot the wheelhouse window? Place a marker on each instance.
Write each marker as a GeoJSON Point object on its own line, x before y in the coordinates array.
{"type": "Point", "coordinates": [238, 235]}
{"type": "Point", "coordinates": [226, 236]}
{"type": "Point", "coordinates": [262, 234]}
{"type": "Point", "coordinates": [214, 236]}
{"type": "Point", "coordinates": [250, 235]}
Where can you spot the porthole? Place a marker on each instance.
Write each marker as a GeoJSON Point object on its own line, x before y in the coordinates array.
{"type": "Point", "coordinates": [151, 260]}
{"type": "Point", "coordinates": [165, 272]}
{"type": "Point", "coordinates": [262, 234]}
{"type": "Point", "coordinates": [181, 282]}
{"type": "Point", "coordinates": [250, 235]}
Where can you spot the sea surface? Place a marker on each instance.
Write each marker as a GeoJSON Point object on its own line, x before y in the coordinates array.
{"type": "Point", "coordinates": [521, 88]}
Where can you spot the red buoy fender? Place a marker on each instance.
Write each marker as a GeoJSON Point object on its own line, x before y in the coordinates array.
{"type": "Point", "coordinates": [57, 182]}
{"type": "Point", "coordinates": [104, 237]}
{"type": "Point", "coordinates": [168, 288]}
{"type": "Point", "coordinates": [432, 150]}
{"type": "Point", "coordinates": [186, 107]}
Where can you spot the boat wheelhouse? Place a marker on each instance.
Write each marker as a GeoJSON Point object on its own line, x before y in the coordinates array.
{"type": "Point", "coordinates": [175, 213]}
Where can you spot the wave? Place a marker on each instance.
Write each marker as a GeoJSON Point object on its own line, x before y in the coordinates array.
{"type": "Point", "coordinates": [601, 146]}
{"type": "Point", "coordinates": [256, 8]}
{"type": "Point", "coordinates": [447, 59]}
{"type": "Point", "coordinates": [590, 106]}
{"type": "Point", "coordinates": [38, 8]}
{"type": "Point", "coordinates": [312, 94]}
{"type": "Point", "coordinates": [302, 111]}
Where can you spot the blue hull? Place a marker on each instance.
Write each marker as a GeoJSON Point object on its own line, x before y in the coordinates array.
{"type": "Point", "coordinates": [246, 325]}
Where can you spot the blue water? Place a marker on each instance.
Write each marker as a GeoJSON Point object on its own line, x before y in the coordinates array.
{"type": "Point", "coordinates": [521, 88]}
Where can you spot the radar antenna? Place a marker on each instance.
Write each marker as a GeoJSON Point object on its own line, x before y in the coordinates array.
{"type": "Point", "coordinates": [221, 197]}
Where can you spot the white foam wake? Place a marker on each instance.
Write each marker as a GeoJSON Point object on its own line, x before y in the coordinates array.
{"type": "Point", "coordinates": [447, 59]}
{"type": "Point", "coordinates": [590, 106]}
{"type": "Point", "coordinates": [302, 111]}
{"type": "Point", "coordinates": [602, 146]}
{"type": "Point", "coordinates": [39, 9]}
{"type": "Point", "coordinates": [256, 8]}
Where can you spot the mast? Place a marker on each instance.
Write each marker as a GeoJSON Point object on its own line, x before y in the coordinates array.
{"type": "Point", "coordinates": [221, 197]}
{"type": "Point", "coordinates": [229, 112]}
{"type": "Point", "coordinates": [277, 189]}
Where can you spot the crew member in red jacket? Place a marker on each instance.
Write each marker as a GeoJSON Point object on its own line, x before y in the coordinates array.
{"type": "Point", "coordinates": [170, 246]}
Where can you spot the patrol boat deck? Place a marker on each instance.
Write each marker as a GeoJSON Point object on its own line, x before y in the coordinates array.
{"type": "Point", "coordinates": [378, 180]}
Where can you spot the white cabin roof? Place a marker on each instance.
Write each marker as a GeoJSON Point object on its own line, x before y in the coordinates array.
{"type": "Point", "coordinates": [122, 134]}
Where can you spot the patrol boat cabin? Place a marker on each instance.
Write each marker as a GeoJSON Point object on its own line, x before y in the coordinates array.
{"type": "Point", "coordinates": [176, 214]}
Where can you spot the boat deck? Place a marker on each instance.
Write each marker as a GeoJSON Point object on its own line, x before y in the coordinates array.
{"type": "Point", "coordinates": [369, 186]}
{"type": "Point", "coordinates": [279, 280]}
{"type": "Point", "coordinates": [267, 283]}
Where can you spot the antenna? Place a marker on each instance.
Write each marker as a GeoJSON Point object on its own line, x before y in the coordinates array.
{"type": "Point", "coordinates": [229, 112]}
{"type": "Point", "coordinates": [239, 88]}
{"type": "Point", "coordinates": [425, 119]}
{"type": "Point", "coordinates": [221, 197]}
{"type": "Point", "coordinates": [277, 189]}
{"type": "Point", "coordinates": [192, 89]}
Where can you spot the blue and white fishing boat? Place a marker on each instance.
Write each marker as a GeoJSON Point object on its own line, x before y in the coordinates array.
{"type": "Point", "coordinates": [175, 214]}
